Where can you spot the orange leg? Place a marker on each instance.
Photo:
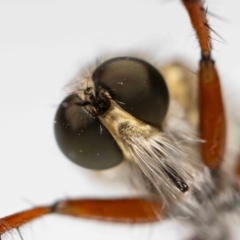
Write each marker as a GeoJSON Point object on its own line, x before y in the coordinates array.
{"type": "Point", "coordinates": [114, 210]}
{"type": "Point", "coordinates": [212, 127]}
{"type": "Point", "coordinates": [238, 168]}
{"type": "Point", "coordinates": [212, 118]}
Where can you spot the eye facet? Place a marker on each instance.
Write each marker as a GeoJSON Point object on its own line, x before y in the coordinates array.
{"type": "Point", "coordinates": [135, 85]}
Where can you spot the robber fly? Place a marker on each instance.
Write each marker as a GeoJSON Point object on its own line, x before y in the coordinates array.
{"type": "Point", "coordinates": [123, 111]}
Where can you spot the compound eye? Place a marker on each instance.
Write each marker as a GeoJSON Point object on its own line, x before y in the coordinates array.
{"type": "Point", "coordinates": [136, 84]}
{"type": "Point", "coordinates": [82, 139]}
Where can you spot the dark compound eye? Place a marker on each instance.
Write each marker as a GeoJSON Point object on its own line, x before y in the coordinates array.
{"type": "Point", "coordinates": [82, 139]}
{"type": "Point", "coordinates": [136, 84]}
{"type": "Point", "coordinates": [133, 82]}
